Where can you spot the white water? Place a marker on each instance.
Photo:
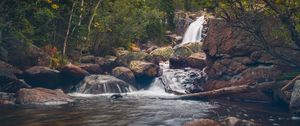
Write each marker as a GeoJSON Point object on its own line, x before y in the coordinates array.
{"type": "Point", "coordinates": [177, 79]}
{"type": "Point", "coordinates": [194, 31]}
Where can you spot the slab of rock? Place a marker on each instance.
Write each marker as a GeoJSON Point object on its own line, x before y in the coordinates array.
{"type": "Point", "coordinates": [295, 98]}
{"type": "Point", "coordinates": [73, 73]}
{"type": "Point", "coordinates": [178, 62]}
{"type": "Point", "coordinates": [141, 68]}
{"type": "Point", "coordinates": [124, 74]}
{"type": "Point", "coordinates": [99, 84]}
{"type": "Point", "coordinates": [202, 122]}
{"type": "Point", "coordinates": [42, 96]}
{"type": "Point", "coordinates": [197, 60]}
{"type": "Point", "coordinates": [40, 76]}
{"type": "Point", "coordinates": [92, 68]}
{"type": "Point", "coordinates": [8, 80]}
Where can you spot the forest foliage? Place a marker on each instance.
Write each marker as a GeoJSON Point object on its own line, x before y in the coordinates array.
{"type": "Point", "coordinates": [98, 26]}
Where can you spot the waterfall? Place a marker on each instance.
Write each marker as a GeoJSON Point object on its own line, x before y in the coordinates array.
{"type": "Point", "coordinates": [194, 31]}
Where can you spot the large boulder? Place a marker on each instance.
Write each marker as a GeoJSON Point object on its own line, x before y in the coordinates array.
{"type": "Point", "coordinates": [10, 84]}
{"type": "Point", "coordinates": [164, 52]}
{"type": "Point", "coordinates": [39, 76]}
{"type": "Point", "coordinates": [8, 78]}
{"type": "Point", "coordinates": [124, 74]}
{"type": "Point", "coordinates": [99, 84]}
{"type": "Point", "coordinates": [197, 60]}
{"type": "Point", "coordinates": [141, 68]}
{"type": "Point", "coordinates": [178, 62]}
{"type": "Point", "coordinates": [72, 75]}
{"type": "Point", "coordinates": [144, 72]}
{"type": "Point", "coordinates": [106, 63]}
{"type": "Point", "coordinates": [234, 57]}
{"type": "Point", "coordinates": [295, 98]}
{"type": "Point", "coordinates": [92, 68]}
{"type": "Point", "coordinates": [41, 96]}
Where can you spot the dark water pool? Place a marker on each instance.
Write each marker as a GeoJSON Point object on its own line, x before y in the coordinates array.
{"type": "Point", "coordinates": [139, 111]}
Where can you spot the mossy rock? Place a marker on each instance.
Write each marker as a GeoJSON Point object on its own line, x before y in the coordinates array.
{"type": "Point", "coordinates": [164, 52]}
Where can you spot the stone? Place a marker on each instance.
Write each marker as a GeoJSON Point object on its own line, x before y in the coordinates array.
{"type": "Point", "coordinates": [233, 121]}
{"type": "Point", "coordinates": [188, 49]}
{"type": "Point", "coordinates": [41, 96]}
{"type": "Point", "coordinates": [197, 60]}
{"type": "Point", "coordinates": [163, 52]}
{"type": "Point", "coordinates": [107, 63]}
{"type": "Point", "coordinates": [202, 122]}
{"type": "Point", "coordinates": [72, 74]}
{"type": "Point", "coordinates": [7, 98]}
{"type": "Point", "coordinates": [141, 68]}
{"type": "Point", "coordinates": [124, 74]}
{"type": "Point", "coordinates": [87, 59]}
{"type": "Point", "coordinates": [99, 84]}
{"type": "Point", "coordinates": [177, 62]}
{"type": "Point", "coordinates": [92, 68]}
{"type": "Point", "coordinates": [295, 98]}
{"type": "Point", "coordinates": [40, 76]}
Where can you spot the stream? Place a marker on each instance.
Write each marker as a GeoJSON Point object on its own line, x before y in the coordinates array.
{"type": "Point", "coordinates": [143, 108]}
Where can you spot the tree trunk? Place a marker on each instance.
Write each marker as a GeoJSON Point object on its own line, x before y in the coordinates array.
{"type": "Point", "coordinates": [80, 17]}
{"type": "Point", "coordinates": [68, 30]}
{"type": "Point", "coordinates": [92, 18]}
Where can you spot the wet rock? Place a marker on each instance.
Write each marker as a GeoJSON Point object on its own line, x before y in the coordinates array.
{"type": "Point", "coordinates": [197, 60]}
{"type": "Point", "coordinates": [141, 68]}
{"type": "Point", "coordinates": [177, 62]}
{"type": "Point", "coordinates": [39, 76]}
{"type": "Point", "coordinates": [116, 96]}
{"type": "Point", "coordinates": [107, 63]}
{"type": "Point", "coordinates": [7, 98]}
{"type": "Point", "coordinates": [233, 121]}
{"type": "Point", "coordinates": [99, 84]}
{"type": "Point", "coordinates": [202, 122]}
{"type": "Point", "coordinates": [92, 68]}
{"type": "Point", "coordinates": [11, 85]}
{"type": "Point", "coordinates": [124, 74]}
{"type": "Point", "coordinates": [295, 98]}
{"type": "Point", "coordinates": [164, 53]}
{"type": "Point", "coordinates": [8, 80]}
{"type": "Point", "coordinates": [41, 96]}
{"type": "Point", "coordinates": [72, 74]}
{"type": "Point", "coordinates": [87, 59]}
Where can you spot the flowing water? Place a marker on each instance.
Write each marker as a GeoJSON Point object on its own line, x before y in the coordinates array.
{"type": "Point", "coordinates": [194, 31]}
{"type": "Point", "coordinates": [143, 108]}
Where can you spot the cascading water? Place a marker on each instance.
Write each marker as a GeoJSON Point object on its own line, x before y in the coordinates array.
{"type": "Point", "coordinates": [194, 31]}
{"type": "Point", "coordinates": [179, 80]}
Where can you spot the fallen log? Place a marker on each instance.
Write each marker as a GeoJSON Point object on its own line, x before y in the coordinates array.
{"type": "Point", "coordinates": [231, 90]}
{"type": "Point", "coordinates": [290, 83]}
